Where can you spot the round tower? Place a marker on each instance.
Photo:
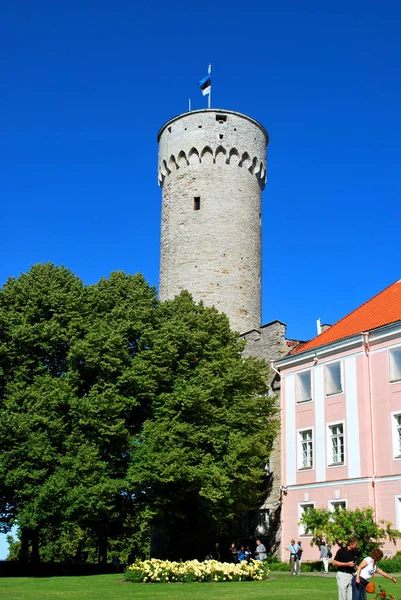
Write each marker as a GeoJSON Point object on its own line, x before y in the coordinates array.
{"type": "Point", "coordinates": [212, 170]}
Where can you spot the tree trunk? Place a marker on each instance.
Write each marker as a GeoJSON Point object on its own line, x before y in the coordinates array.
{"type": "Point", "coordinates": [24, 549]}
{"type": "Point", "coordinates": [35, 556]}
{"type": "Point", "coordinates": [102, 541]}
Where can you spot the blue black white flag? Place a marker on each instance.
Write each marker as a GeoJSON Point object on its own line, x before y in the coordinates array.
{"type": "Point", "coordinates": [205, 84]}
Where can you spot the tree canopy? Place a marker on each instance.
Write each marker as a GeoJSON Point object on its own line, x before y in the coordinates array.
{"type": "Point", "coordinates": [121, 416]}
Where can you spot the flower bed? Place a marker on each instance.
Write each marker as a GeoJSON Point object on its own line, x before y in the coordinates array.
{"type": "Point", "coordinates": [164, 571]}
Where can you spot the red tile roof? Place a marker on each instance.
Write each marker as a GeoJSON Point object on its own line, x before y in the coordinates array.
{"type": "Point", "coordinates": [380, 310]}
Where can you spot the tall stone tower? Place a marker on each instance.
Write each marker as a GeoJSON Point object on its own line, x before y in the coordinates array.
{"type": "Point", "coordinates": [212, 170]}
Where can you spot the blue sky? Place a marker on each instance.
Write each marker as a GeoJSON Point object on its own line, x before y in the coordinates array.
{"type": "Point", "coordinates": [86, 85]}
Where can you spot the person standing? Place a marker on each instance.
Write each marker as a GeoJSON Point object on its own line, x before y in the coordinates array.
{"type": "Point", "coordinates": [364, 572]}
{"type": "Point", "coordinates": [344, 560]}
{"type": "Point", "coordinates": [260, 552]}
{"type": "Point", "coordinates": [233, 553]}
{"type": "Point", "coordinates": [324, 556]}
{"type": "Point", "coordinates": [116, 563]}
{"type": "Point", "coordinates": [294, 562]}
{"type": "Point", "coordinates": [216, 553]}
{"type": "Point", "coordinates": [241, 554]}
{"type": "Point", "coordinates": [248, 554]}
{"type": "Point", "coordinates": [299, 556]}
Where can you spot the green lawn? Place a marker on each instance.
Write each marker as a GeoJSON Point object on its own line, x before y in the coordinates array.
{"type": "Point", "coordinates": [111, 587]}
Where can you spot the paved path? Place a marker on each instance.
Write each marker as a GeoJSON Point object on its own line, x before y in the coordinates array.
{"type": "Point", "coordinates": [320, 574]}
{"type": "Point", "coordinates": [306, 574]}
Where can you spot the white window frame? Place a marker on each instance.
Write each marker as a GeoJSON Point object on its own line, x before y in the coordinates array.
{"type": "Point", "coordinates": [329, 449]}
{"type": "Point", "coordinates": [301, 529]}
{"type": "Point", "coordinates": [297, 378]}
{"type": "Point", "coordinates": [398, 511]}
{"type": "Point", "coordinates": [395, 435]}
{"type": "Point", "coordinates": [326, 366]}
{"type": "Point", "coordinates": [268, 468]}
{"type": "Point", "coordinates": [390, 350]}
{"type": "Point", "coordinates": [299, 448]}
{"type": "Point", "coordinates": [331, 503]}
{"type": "Point", "coordinates": [263, 526]}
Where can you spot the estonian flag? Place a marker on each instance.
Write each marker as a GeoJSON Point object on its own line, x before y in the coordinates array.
{"type": "Point", "coordinates": [205, 84]}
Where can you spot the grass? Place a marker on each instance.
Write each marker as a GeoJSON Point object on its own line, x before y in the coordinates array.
{"type": "Point", "coordinates": [111, 587]}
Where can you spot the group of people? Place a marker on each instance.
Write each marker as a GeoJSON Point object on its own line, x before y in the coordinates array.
{"type": "Point", "coordinates": [351, 579]}
{"type": "Point", "coordinates": [245, 553]}
{"type": "Point", "coordinates": [296, 551]}
{"type": "Point", "coordinates": [237, 555]}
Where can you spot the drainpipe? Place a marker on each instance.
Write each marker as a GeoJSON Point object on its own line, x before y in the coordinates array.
{"type": "Point", "coordinates": [372, 422]}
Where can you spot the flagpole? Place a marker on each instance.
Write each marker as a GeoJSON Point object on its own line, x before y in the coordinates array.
{"type": "Point", "coordinates": [209, 98]}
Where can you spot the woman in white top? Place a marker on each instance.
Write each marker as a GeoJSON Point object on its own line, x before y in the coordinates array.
{"type": "Point", "coordinates": [364, 572]}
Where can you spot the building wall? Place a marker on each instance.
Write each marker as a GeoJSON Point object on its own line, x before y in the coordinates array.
{"type": "Point", "coordinates": [387, 399]}
{"type": "Point", "coordinates": [269, 343]}
{"type": "Point", "coordinates": [370, 474]}
{"type": "Point", "coordinates": [215, 252]}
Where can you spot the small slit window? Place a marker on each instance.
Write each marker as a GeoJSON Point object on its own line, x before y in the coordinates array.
{"type": "Point", "coordinates": [197, 203]}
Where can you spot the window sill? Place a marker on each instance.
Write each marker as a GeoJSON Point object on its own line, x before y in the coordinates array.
{"type": "Point", "coordinates": [339, 464]}
{"type": "Point", "coordinates": [305, 469]}
{"type": "Point", "coordinates": [335, 394]}
{"type": "Point", "coordinates": [304, 401]}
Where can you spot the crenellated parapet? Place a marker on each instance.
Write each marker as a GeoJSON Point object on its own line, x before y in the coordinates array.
{"type": "Point", "coordinates": [220, 155]}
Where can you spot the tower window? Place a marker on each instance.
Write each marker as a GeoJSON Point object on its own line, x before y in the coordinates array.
{"type": "Point", "coordinates": [221, 118]}
{"type": "Point", "coordinates": [197, 203]}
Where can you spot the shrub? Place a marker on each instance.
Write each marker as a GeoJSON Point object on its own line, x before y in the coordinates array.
{"type": "Point", "coordinates": [306, 567]}
{"type": "Point", "coordinates": [164, 571]}
{"type": "Point", "coordinates": [391, 565]}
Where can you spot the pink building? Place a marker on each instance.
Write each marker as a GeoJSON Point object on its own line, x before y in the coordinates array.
{"type": "Point", "coordinates": [341, 419]}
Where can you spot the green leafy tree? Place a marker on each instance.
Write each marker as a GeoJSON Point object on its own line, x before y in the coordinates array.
{"type": "Point", "coordinates": [338, 526]}
{"type": "Point", "coordinates": [120, 416]}
{"type": "Point", "coordinates": [68, 406]}
{"type": "Point", "coordinates": [198, 461]}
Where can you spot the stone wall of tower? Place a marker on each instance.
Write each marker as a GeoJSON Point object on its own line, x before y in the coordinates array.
{"type": "Point", "coordinates": [269, 343]}
{"type": "Point", "coordinates": [212, 170]}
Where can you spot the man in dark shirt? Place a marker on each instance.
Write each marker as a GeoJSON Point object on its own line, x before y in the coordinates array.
{"type": "Point", "coordinates": [344, 560]}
